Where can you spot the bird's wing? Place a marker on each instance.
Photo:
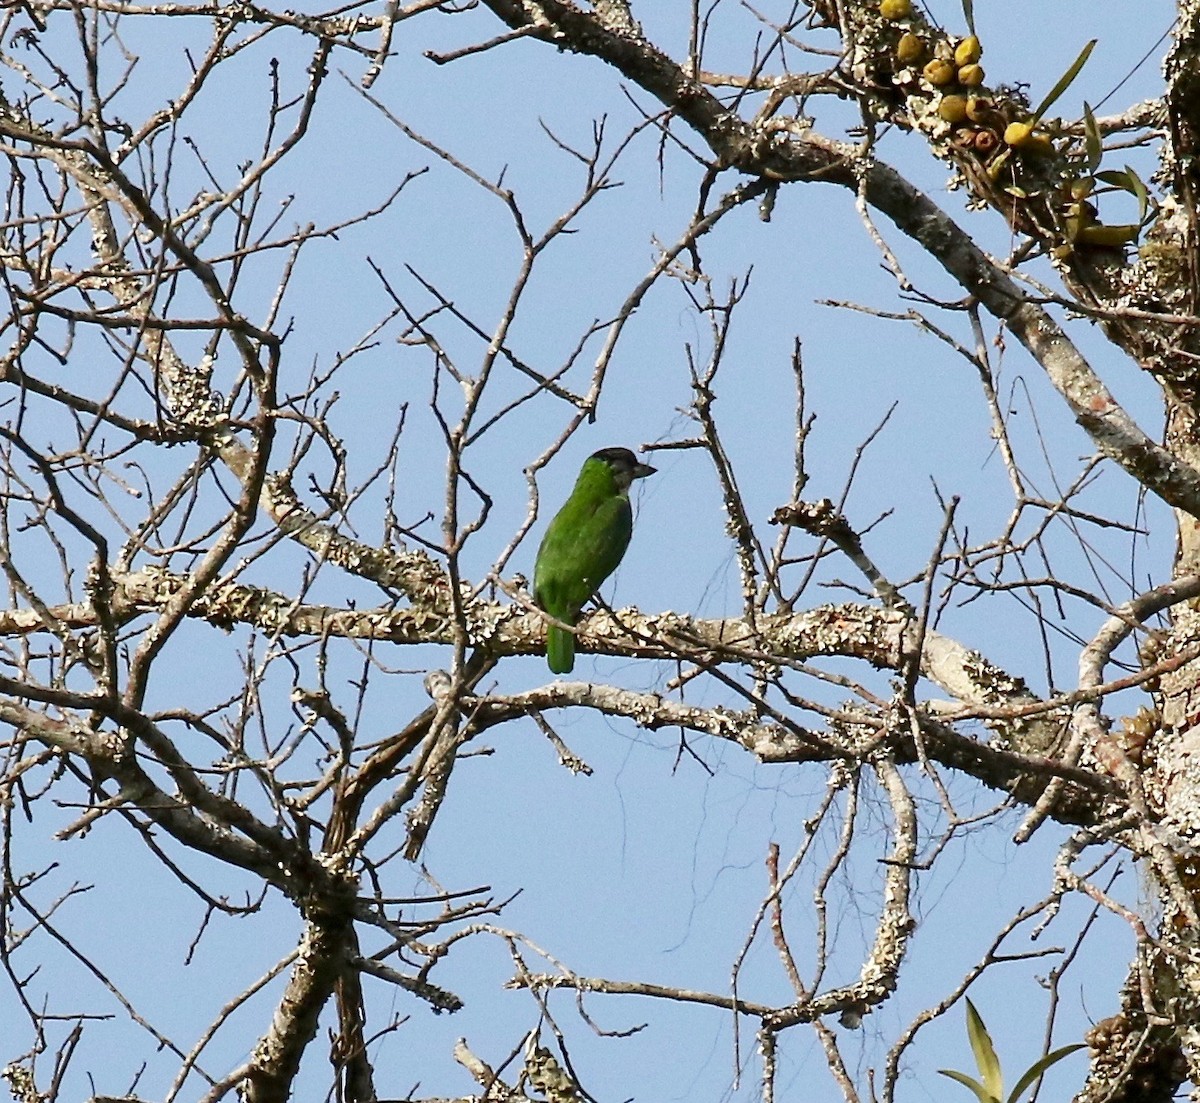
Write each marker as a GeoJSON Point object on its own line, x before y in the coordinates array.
{"type": "Point", "coordinates": [581, 548]}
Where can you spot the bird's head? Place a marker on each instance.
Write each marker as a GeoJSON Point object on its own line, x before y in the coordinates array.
{"type": "Point", "coordinates": [624, 466]}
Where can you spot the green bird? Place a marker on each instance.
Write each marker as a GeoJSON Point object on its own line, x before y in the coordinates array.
{"type": "Point", "coordinates": [583, 545]}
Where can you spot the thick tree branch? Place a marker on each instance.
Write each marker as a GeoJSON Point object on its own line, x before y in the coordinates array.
{"type": "Point", "coordinates": [778, 155]}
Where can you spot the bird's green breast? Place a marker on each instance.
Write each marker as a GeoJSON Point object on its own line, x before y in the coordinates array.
{"type": "Point", "coordinates": [583, 544]}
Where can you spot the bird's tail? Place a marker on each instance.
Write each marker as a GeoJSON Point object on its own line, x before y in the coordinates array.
{"type": "Point", "coordinates": [560, 650]}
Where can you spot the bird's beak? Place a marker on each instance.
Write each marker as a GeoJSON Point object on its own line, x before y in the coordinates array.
{"type": "Point", "coordinates": [641, 470]}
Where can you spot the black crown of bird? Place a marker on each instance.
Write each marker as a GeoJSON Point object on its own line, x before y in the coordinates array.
{"type": "Point", "coordinates": [583, 545]}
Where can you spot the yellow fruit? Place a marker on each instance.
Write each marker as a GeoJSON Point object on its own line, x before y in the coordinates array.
{"type": "Point", "coordinates": [968, 51]}
{"type": "Point", "coordinates": [910, 48]}
{"type": "Point", "coordinates": [971, 75]}
{"type": "Point", "coordinates": [895, 9]}
{"type": "Point", "coordinates": [1018, 134]}
{"type": "Point", "coordinates": [939, 71]}
{"type": "Point", "coordinates": [979, 110]}
{"type": "Point", "coordinates": [953, 108]}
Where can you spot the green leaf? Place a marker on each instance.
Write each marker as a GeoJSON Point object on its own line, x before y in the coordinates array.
{"type": "Point", "coordinates": [969, 1082]}
{"type": "Point", "coordinates": [1141, 191]}
{"type": "Point", "coordinates": [1065, 81]}
{"type": "Point", "coordinates": [1040, 1066]}
{"type": "Point", "coordinates": [1128, 180]}
{"type": "Point", "coordinates": [985, 1053]}
{"type": "Point", "coordinates": [1092, 144]}
{"type": "Point", "coordinates": [969, 15]}
{"type": "Point", "coordinates": [1116, 179]}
